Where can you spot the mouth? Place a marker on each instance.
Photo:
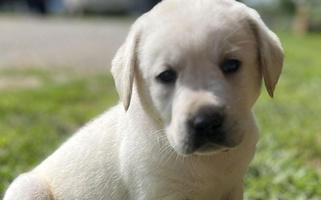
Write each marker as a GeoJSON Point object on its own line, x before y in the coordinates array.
{"type": "Point", "coordinates": [206, 149]}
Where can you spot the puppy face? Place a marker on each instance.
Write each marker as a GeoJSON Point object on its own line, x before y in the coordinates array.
{"type": "Point", "coordinates": [202, 83]}
{"type": "Point", "coordinates": [199, 71]}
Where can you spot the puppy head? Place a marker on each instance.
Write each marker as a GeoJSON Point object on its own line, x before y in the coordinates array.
{"type": "Point", "coordinates": [198, 68]}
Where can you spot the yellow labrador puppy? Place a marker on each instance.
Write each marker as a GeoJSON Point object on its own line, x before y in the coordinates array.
{"type": "Point", "coordinates": [187, 75]}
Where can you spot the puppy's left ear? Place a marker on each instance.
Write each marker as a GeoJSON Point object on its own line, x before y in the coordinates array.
{"type": "Point", "coordinates": [123, 67]}
{"type": "Point", "coordinates": [270, 51]}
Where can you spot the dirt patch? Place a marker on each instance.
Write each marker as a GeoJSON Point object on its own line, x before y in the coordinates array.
{"type": "Point", "coordinates": [88, 44]}
{"type": "Point", "coordinates": [11, 83]}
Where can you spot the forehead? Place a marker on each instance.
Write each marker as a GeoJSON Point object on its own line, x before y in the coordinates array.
{"type": "Point", "coordinates": [198, 32]}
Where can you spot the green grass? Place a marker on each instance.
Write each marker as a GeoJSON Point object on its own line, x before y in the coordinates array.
{"type": "Point", "coordinates": [34, 121]}
{"type": "Point", "coordinates": [288, 161]}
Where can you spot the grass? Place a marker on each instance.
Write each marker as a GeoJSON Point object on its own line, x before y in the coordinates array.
{"type": "Point", "coordinates": [35, 120]}
{"type": "Point", "coordinates": [288, 162]}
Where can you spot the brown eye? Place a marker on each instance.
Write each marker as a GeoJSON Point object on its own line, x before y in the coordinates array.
{"type": "Point", "coordinates": [231, 66]}
{"type": "Point", "coordinates": [167, 77]}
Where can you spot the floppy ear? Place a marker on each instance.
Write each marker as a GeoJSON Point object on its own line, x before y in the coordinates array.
{"type": "Point", "coordinates": [123, 67]}
{"type": "Point", "coordinates": [270, 51]}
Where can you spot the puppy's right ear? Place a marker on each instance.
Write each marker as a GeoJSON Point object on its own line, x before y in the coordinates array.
{"type": "Point", "coordinates": [123, 67]}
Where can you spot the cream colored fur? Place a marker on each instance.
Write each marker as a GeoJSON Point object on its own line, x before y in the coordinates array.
{"type": "Point", "coordinates": [137, 150]}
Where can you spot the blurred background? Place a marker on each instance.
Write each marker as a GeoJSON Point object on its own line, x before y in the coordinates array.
{"type": "Point", "coordinates": [55, 58]}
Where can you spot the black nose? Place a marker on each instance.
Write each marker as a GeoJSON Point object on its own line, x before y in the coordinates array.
{"type": "Point", "coordinates": [207, 123]}
{"type": "Point", "coordinates": [207, 126]}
